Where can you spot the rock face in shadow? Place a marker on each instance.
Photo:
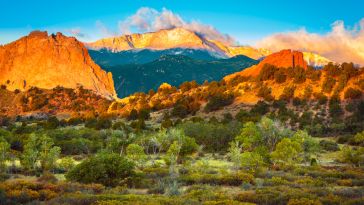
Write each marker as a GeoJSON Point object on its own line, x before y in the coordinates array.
{"type": "Point", "coordinates": [47, 61]}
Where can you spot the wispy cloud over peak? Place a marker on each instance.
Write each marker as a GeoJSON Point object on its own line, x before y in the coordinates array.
{"type": "Point", "coordinates": [148, 20]}
{"type": "Point", "coordinates": [340, 44]}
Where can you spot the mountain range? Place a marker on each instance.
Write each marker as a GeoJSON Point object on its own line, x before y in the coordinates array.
{"type": "Point", "coordinates": [174, 38]}
{"type": "Point", "coordinates": [184, 39]}
{"type": "Point", "coordinates": [136, 63]}
{"type": "Point", "coordinates": [141, 62]}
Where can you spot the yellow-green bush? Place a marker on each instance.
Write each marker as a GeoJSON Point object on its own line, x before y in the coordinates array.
{"type": "Point", "coordinates": [218, 179]}
{"type": "Point", "coordinates": [304, 201]}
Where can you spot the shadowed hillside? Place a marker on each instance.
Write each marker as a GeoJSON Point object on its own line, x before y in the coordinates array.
{"type": "Point", "coordinates": [173, 69]}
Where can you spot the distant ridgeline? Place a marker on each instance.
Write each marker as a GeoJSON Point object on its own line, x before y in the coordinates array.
{"type": "Point", "coordinates": [142, 70]}
{"type": "Point", "coordinates": [140, 62]}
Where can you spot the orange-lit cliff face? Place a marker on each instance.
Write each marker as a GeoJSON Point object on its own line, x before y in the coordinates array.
{"type": "Point", "coordinates": [174, 38]}
{"type": "Point", "coordinates": [48, 61]}
{"type": "Point", "coordinates": [284, 58]}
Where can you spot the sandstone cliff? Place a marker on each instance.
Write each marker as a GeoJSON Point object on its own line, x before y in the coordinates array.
{"type": "Point", "coordinates": [49, 61]}
{"type": "Point", "coordinates": [285, 58]}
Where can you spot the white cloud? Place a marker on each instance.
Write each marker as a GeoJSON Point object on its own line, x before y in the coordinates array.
{"type": "Point", "coordinates": [148, 20]}
{"type": "Point", "coordinates": [341, 44]}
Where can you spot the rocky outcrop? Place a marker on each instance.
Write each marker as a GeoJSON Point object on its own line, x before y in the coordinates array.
{"type": "Point", "coordinates": [47, 61]}
{"type": "Point", "coordinates": [285, 58]}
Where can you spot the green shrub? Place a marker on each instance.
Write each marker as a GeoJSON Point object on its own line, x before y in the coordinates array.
{"type": "Point", "coordinates": [352, 93]}
{"type": "Point", "coordinates": [47, 177]}
{"type": "Point", "coordinates": [52, 123]}
{"type": "Point", "coordinates": [186, 86]}
{"type": "Point", "coordinates": [215, 137]}
{"type": "Point", "coordinates": [180, 110]}
{"type": "Point", "coordinates": [133, 115]}
{"type": "Point", "coordinates": [158, 188]}
{"type": "Point", "coordinates": [332, 69]}
{"type": "Point", "coordinates": [144, 114]}
{"type": "Point", "coordinates": [167, 123]}
{"type": "Point", "coordinates": [288, 93]}
{"type": "Point", "coordinates": [185, 106]}
{"type": "Point", "coordinates": [335, 109]}
{"type": "Point", "coordinates": [138, 125]}
{"type": "Point", "coordinates": [218, 179]}
{"type": "Point", "coordinates": [329, 145]}
{"type": "Point", "coordinates": [106, 169]}
{"type": "Point", "coordinates": [275, 181]}
{"type": "Point", "coordinates": [352, 156]}
{"type": "Point", "coordinates": [308, 92]}
{"type": "Point", "coordinates": [218, 101]}
{"type": "Point", "coordinates": [224, 202]}
{"type": "Point", "coordinates": [76, 146]}
{"type": "Point", "coordinates": [351, 106]}
{"type": "Point", "coordinates": [361, 84]}
{"type": "Point", "coordinates": [247, 196]}
{"type": "Point", "coordinates": [328, 84]}
{"type": "Point", "coordinates": [280, 76]}
{"type": "Point", "coordinates": [287, 152]}
{"type": "Point", "coordinates": [304, 201]}
{"type": "Point", "coordinates": [265, 93]}
{"type": "Point", "coordinates": [260, 108]}
{"type": "Point", "coordinates": [313, 74]}
{"type": "Point", "coordinates": [98, 124]}
{"type": "Point", "coordinates": [227, 118]}
{"type": "Point", "coordinates": [67, 163]}
{"type": "Point", "coordinates": [156, 172]}
{"type": "Point", "coordinates": [245, 116]}
{"type": "Point", "coordinates": [349, 192]}
{"type": "Point", "coordinates": [359, 138]}
{"type": "Point", "coordinates": [189, 146]}
{"type": "Point", "coordinates": [267, 72]}
{"type": "Point", "coordinates": [343, 139]}
{"type": "Point", "coordinates": [136, 153]}
{"type": "Point", "coordinates": [299, 75]}
{"type": "Point", "coordinates": [321, 98]}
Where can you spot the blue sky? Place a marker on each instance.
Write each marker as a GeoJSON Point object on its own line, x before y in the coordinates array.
{"type": "Point", "coordinates": [246, 21]}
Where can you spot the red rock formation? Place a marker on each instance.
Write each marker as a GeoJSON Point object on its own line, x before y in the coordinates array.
{"type": "Point", "coordinates": [49, 61]}
{"type": "Point", "coordinates": [285, 58]}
